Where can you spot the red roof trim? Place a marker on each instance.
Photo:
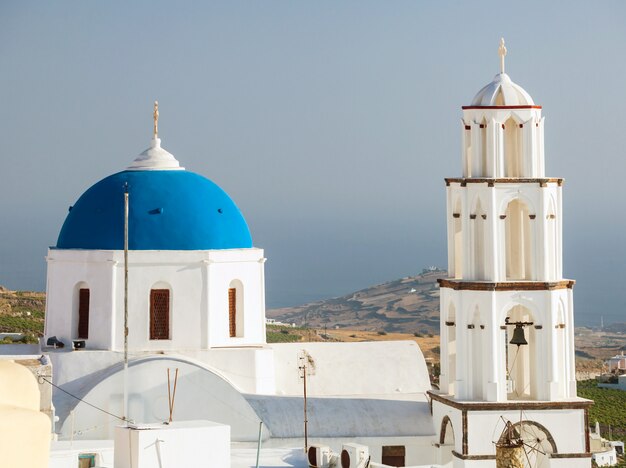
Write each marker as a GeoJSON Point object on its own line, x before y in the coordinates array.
{"type": "Point", "coordinates": [500, 107]}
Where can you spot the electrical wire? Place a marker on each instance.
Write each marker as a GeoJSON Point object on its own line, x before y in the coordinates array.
{"type": "Point", "coordinates": [83, 401]}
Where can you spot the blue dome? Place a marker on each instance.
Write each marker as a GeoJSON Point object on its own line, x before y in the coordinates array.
{"type": "Point", "coordinates": [168, 210]}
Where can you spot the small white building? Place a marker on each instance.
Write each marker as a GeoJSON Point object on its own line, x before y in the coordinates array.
{"type": "Point", "coordinates": [604, 452]}
{"type": "Point", "coordinates": [617, 363]}
{"type": "Point", "coordinates": [619, 385]}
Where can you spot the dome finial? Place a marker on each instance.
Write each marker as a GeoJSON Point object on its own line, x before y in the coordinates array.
{"type": "Point", "coordinates": [156, 119]}
{"type": "Point", "coordinates": [502, 54]}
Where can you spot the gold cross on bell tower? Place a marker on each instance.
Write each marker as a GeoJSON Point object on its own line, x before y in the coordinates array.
{"type": "Point", "coordinates": [156, 119]}
{"type": "Point", "coordinates": [502, 54]}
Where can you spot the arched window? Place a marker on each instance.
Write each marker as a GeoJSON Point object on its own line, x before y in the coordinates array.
{"type": "Point", "coordinates": [81, 301]}
{"type": "Point", "coordinates": [159, 314]}
{"type": "Point", "coordinates": [235, 309]}
{"type": "Point", "coordinates": [518, 242]}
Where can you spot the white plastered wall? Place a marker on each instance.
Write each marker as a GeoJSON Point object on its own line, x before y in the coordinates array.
{"type": "Point", "coordinates": [198, 282]}
{"type": "Point", "coordinates": [369, 368]}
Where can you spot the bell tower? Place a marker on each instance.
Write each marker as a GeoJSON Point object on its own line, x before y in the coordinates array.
{"type": "Point", "coordinates": [507, 331]}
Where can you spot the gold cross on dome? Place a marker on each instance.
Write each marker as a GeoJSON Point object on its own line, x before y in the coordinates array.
{"type": "Point", "coordinates": [502, 54]}
{"type": "Point", "coordinates": [156, 119]}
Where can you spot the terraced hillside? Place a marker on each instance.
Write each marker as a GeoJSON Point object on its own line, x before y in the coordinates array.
{"type": "Point", "coordinates": [22, 312]}
{"type": "Point", "coordinates": [409, 305]}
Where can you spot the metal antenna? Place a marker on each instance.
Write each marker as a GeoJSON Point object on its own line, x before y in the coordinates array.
{"type": "Point", "coordinates": [125, 414]}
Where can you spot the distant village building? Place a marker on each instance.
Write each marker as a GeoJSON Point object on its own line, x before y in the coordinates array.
{"type": "Point", "coordinates": [616, 382]}
{"type": "Point", "coordinates": [617, 363]}
{"type": "Point", "coordinates": [604, 452]}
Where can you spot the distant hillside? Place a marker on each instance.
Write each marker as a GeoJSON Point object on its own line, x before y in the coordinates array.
{"type": "Point", "coordinates": [22, 312]}
{"type": "Point", "coordinates": [407, 305]}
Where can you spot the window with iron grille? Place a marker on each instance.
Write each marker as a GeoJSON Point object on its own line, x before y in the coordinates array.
{"type": "Point", "coordinates": [83, 313]}
{"type": "Point", "coordinates": [393, 455]}
{"type": "Point", "coordinates": [232, 311]}
{"type": "Point", "coordinates": [160, 314]}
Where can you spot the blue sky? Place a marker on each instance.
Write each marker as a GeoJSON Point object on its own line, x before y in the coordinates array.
{"type": "Point", "coordinates": [331, 124]}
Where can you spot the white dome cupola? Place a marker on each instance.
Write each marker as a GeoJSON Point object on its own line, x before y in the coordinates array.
{"type": "Point", "coordinates": [155, 158]}
{"type": "Point", "coordinates": [502, 92]}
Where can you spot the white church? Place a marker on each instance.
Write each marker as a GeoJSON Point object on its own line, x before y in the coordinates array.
{"type": "Point", "coordinates": [193, 287]}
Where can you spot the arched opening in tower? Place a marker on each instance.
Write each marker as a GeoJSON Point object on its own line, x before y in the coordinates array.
{"type": "Point", "coordinates": [446, 442]}
{"type": "Point", "coordinates": [518, 241]}
{"type": "Point", "coordinates": [451, 355]}
{"type": "Point", "coordinates": [561, 353]}
{"type": "Point", "coordinates": [483, 149]}
{"type": "Point", "coordinates": [458, 241]}
{"type": "Point", "coordinates": [552, 244]}
{"type": "Point", "coordinates": [513, 164]}
{"type": "Point", "coordinates": [521, 360]}
{"type": "Point", "coordinates": [476, 346]}
{"type": "Point", "coordinates": [478, 242]}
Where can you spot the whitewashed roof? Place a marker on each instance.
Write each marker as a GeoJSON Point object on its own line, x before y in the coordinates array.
{"type": "Point", "coordinates": [502, 92]}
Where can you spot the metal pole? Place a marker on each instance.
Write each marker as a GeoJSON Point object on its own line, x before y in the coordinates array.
{"type": "Point", "coordinates": [258, 447]}
{"type": "Point", "coordinates": [306, 435]}
{"type": "Point", "coordinates": [125, 414]}
{"type": "Point", "coordinates": [174, 394]}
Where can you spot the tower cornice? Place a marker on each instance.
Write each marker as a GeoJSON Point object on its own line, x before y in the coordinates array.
{"type": "Point", "coordinates": [542, 181]}
{"type": "Point", "coordinates": [505, 285]}
{"type": "Point", "coordinates": [577, 403]}
{"type": "Point", "coordinates": [500, 107]}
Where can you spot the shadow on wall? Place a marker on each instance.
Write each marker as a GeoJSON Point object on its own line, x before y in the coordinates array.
{"type": "Point", "coordinates": [200, 394]}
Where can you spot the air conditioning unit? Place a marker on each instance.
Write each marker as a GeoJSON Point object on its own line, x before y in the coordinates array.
{"type": "Point", "coordinates": [354, 456]}
{"type": "Point", "coordinates": [319, 456]}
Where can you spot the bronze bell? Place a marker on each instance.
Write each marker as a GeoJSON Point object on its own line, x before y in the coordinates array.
{"type": "Point", "coordinates": [518, 335]}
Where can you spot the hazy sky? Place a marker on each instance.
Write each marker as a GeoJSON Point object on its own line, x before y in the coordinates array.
{"type": "Point", "coordinates": [331, 124]}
